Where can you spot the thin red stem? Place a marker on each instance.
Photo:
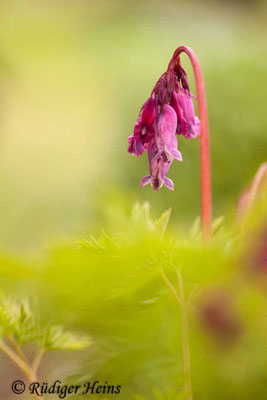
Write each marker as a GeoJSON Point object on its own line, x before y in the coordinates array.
{"type": "Point", "coordinates": [206, 200]}
{"type": "Point", "coordinates": [249, 197]}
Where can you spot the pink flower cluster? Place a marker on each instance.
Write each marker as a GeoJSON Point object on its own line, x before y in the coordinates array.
{"type": "Point", "coordinates": [168, 112]}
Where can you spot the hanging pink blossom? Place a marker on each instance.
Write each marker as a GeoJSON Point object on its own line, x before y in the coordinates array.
{"type": "Point", "coordinates": [168, 112]}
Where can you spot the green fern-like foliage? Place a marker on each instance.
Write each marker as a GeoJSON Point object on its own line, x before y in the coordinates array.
{"type": "Point", "coordinates": [17, 321]}
{"type": "Point", "coordinates": [116, 286]}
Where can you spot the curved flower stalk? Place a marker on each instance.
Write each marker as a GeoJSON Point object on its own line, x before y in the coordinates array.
{"type": "Point", "coordinates": [167, 113]}
{"type": "Point", "coordinates": [251, 194]}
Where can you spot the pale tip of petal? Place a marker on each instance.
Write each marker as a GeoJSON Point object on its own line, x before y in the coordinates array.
{"type": "Point", "coordinates": [169, 184]}
{"type": "Point", "coordinates": [177, 155]}
{"type": "Point", "coordinates": [145, 180]}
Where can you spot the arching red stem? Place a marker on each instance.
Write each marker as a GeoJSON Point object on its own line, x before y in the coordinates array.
{"type": "Point", "coordinates": [206, 198]}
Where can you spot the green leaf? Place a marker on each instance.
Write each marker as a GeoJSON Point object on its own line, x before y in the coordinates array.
{"type": "Point", "coordinates": [162, 222]}
{"type": "Point", "coordinates": [56, 339]}
{"type": "Point", "coordinates": [140, 217]}
{"type": "Point", "coordinates": [17, 321]}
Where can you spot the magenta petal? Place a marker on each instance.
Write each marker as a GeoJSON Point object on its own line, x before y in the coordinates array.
{"type": "Point", "coordinates": [176, 154]}
{"type": "Point", "coordinates": [181, 122]}
{"type": "Point", "coordinates": [167, 124]}
{"type": "Point", "coordinates": [130, 147]}
{"type": "Point", "coordinates": [139, 148]}
{"type": "Point", "coordinates": [187, 106]}
{"type": "Point", "coordinates": [169, 183]}
{"type": "Point", "coordinates": [145, 180]}
{"type": "Point", "coordinates": [168, 112]}
{"type": "Point", "coordinates": [135, 146]}
{"type": "Point", "coordinates": [148, 112]}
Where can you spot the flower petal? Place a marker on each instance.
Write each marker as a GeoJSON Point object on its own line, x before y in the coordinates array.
{"type": "Point", "coordinates": [169, 184]}
{"type": "Point", "coordinates": [176, 154]}
{"type": "Point", "coordinates": [145, 180]}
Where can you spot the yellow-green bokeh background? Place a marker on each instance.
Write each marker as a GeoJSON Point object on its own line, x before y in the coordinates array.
{"type": "Point", "coordinates": [73, 77]}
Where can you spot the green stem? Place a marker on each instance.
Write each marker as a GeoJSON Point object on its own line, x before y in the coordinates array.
{"type": "Point", "coordinates": [256, 186]}
{"type": "Point", "coordinates": [22, 364]}
{"type": "Point", "coordinates": [37, 360]}
{"type": "Point", "coordinates": [184, 328]}
{"type": "Point", "coordinates": [185, 338]}
{"type": "Point", "coordinates": [15, 358]}
{"type": "Point", "coordinates": [17, 348]}
{"type": "Point", "coordinates": [170, 285]}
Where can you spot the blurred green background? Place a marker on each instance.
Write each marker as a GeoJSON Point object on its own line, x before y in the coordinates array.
{"type": "Point", "coordinates": [74, 75]}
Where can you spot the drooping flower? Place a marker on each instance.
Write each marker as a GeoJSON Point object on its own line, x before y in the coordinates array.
{"type": "Point", "coordinates": [168, 111]}
{"type": "Point", "coordinates": [162, 150]}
